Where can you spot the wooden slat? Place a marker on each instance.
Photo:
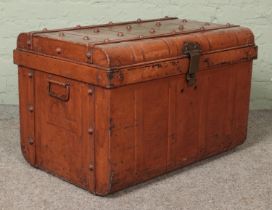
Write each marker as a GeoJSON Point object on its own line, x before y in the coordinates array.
{"type": "Point", "coordinates": [173, 93]}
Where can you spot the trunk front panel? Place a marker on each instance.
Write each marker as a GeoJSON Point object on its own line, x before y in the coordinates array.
{"type": "Point", "coordinates": [164, 124]}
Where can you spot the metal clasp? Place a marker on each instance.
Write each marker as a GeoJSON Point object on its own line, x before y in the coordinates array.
{"type": "Point", "coordinates": [192, 49]}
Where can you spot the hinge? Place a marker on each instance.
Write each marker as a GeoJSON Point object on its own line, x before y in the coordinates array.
{"type": "Point", "coordinates": [192, 49]}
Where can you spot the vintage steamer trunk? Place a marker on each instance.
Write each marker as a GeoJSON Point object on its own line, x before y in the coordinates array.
{"type": "Point", "coordinates": [108, 106]}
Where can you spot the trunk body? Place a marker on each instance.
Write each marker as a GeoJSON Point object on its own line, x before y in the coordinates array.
{"type": "Point", "coordinates": [109, 114]}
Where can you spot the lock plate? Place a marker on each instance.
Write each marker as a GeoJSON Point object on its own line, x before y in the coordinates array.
{"type": "Point", "coordinates": [193, 50]}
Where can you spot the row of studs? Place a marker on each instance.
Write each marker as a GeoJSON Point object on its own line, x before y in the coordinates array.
{"type": "Point", "coordinates": [152, 31]}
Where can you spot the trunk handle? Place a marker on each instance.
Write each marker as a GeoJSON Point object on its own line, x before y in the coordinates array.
{"type": "Point", "coordinates": [64, 97]}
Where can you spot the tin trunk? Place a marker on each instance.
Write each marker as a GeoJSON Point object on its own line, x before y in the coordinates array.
{"type": "Point", "coordinates": [105, 107]}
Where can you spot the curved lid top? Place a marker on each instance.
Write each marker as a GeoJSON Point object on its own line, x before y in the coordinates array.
{"type": "Point", "coordinates": [129, 31]}
{"type": "Point", "coordinates": [143, 40]}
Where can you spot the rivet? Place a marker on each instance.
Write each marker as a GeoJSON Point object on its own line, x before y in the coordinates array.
{"type": "Point", "coordinates": [61, 34]}
{"type": "Point", "coordinates": [30, 74]}
{"type": "Point", "coordinates": [90, 131]}
{"type": "Point", "coordinates": [31, 141]}
{"type": "Point", "coordinates": [202, 28]}
{"type": "Point", "coordinates": [30, 108]}
{"type": "Point", "coordinates": [78, 26]}
{"type": "Point", "coordinates": [121, 77]}
{"type": "Point", "coordinates": [120, 34]}
{"type": "Point", "coordinates": [141, 36]}
{"type": "Point", "coordinates": [228, 24]}
{"type": "Point", "coordinates": [152, 31]}
{"type": "Point", "coordinates": [88, 54]}
{"type": "Point", "coordinates": [181, 27]}
{"type": "Point", "coordinates": [129, 27]}
{"type": "Point", "coordinates": [158, 23]}
{"type": "Point", "coordinates": [139, 20]}
{"type": "Point", "coordinates": [44, 29]}
{"type": "Point", "coordinates": [110, 23]}
{"type": "Point", "coordinates": [90, 91]}
{"type": "Point", "coordinates": [91, 167]}
{"type": "Point", "coordinates": [58, 50]}
{"type": "Point", "coordinates": [96, 30]}
{"type": "Point", "coordinates": [28, 43]}
{"type": "Point", "coordinates": [86, 38]}
{"type": "Point", "coordinates": [184, 20]}
{"type": "Point", "coordinates": [166, 16]}
{"type": "Point", "coordinates": [106, 40]}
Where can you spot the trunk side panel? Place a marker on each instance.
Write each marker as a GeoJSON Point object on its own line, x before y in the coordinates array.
{"type": "Point", "coordinates": [64, 147]}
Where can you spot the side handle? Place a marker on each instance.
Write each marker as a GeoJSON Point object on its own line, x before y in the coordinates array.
{"type": "Point", "coordinates": [65, 97]}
